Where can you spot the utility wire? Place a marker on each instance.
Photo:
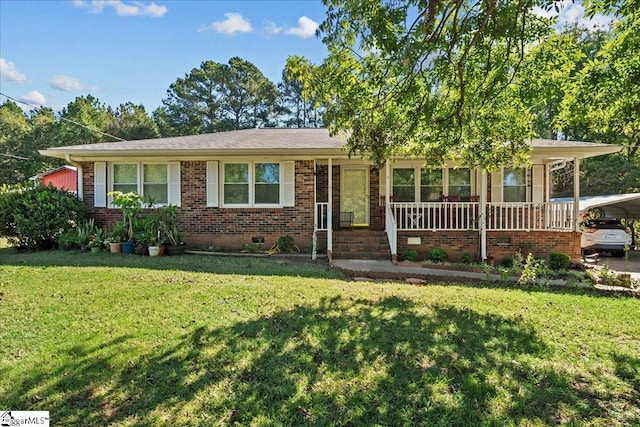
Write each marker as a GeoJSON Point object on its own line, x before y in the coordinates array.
{"type": "Point", "coordinates": [65, 119]}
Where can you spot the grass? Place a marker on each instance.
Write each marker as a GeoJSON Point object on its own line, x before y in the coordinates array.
{"type": "Point", "coordinates": [125, 340]}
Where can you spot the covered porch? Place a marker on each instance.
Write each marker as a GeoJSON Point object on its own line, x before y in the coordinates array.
{"type": "Point", "coordinates": [484, 214]}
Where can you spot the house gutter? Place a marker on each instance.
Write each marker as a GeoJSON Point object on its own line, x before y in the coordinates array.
{"type": "Point", "coordinates": [80, 194]}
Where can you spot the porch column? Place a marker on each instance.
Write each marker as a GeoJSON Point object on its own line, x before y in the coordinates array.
{"type": "Point", "coordinates": [482, 219]}
{"type": "Point", "coordinates": [330, 211]}
{"type": "Point", "coordinates": [576, 194]}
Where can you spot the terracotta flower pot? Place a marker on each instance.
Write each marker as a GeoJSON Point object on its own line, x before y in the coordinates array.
{"type": "Point", "coordinates": [115, 247]}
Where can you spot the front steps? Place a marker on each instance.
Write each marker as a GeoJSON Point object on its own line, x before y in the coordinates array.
{"type": "Point", "coordinates": [360, 244]}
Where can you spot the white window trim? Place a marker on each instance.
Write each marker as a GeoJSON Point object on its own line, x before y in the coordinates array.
{"type": "Point", "coordinates": [140, 182]}
{"type": "Point", "coordinates": [252, 183]}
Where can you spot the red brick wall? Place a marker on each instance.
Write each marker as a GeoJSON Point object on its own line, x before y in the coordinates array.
{"type": "Point", "coordinates": [229, 228]}
{"type": "Point", "coordinates": [500, 244]}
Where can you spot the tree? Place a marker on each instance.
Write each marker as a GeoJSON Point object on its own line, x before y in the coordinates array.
{"type": "Point", "coordinates": [132, 122]}
{"type": "Point", "coordinates": [605, 97]}
{"type": "Point", "coordinates": [85, 121]}
{"type": "Point", "coordinates": [431, 78]}
{"type": "Point", "coordinates": [548, 71]}
{"type": "Point", "coordinates": [294, 111]}
{"type": "Point", "coordinates": [217, 97]}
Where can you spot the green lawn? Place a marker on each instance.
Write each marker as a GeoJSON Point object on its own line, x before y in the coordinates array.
{"type": "Point", "coordinates": [195, 340]}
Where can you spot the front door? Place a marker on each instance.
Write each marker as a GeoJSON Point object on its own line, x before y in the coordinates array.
{"type": "Point", "coordinates": [354, 193]}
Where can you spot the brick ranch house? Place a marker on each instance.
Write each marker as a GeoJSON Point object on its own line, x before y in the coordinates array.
{"type": "Point", "coordinates": [238, 187]}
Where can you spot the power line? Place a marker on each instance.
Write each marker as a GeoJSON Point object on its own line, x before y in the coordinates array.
{"type": "Point", "coordinates": [65, 119]}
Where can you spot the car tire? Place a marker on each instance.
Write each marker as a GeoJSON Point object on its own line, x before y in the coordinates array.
{"type": "Point", "coordinates": [617, 254]}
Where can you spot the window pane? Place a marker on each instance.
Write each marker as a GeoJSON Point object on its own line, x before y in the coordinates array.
{"type": "Point", "coordinates": [514, 177]}
{"type": "Point", "coordinates": [268, 173]}
{"type": "Point", "coordinates": [403, 177]}
{"type": "Point", "coordinates": [236, 173]}
{"type": "Point", "coordinates": [157, 192]}
{"type": "Point", "coordinates": [155, 173]}
{"type": "Point", "coordinates": [431, 177]}
{"type": "Point", "coordinates": [126, 188]}
{"type": "Point", "coordinates": [460, 184]}
{"type": "Point", "coordinates": [236, 193]}
{"type": "Point", "coordinates": [404, 185]}
{"type": "Point", "coordinates": [267, 194]}
{"type": "Point", "coordinates": [515, 194]}
{"type": "Point", "coordinates": [515, 185]}
{"type": "Point", "coordinates": [430, 185]}
{"type": "Point", "coordinates": [125, 174]}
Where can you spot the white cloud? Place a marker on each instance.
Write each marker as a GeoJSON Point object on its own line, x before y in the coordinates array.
{"type": "Point", "coordinates": [571, 13]}
{"type": "Point", "coordinates": [34, 98]}
{"type": "Point", "coordinates": [272, 28]}
{"type": "Point", "coordinates": [66, 83]}
{"type": "Point", "coordinates": [234, 23]}
{"type": "Point", "coordinates": [306, 28]}
{"type": "Point", "coordinates": [9, 72]}
{"type": "Point", "coordinates": [121, 8]}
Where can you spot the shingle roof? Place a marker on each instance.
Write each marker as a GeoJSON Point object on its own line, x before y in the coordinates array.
{"type": "Point", "coordinates": [267, 140]}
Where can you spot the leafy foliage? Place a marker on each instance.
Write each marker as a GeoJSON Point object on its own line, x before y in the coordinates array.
{"type": "Point", "coordinates": [33, 217]}
{"type": "Point", "coordinates": [438, 255]}
{"type": "Point", "coordinates": [558, 261]}
{"type": "Point", "coordinates": [429, 79]}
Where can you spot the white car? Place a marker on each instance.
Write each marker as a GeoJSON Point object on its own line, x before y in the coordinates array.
{"type": "Point", "coordinates": [604, 235]}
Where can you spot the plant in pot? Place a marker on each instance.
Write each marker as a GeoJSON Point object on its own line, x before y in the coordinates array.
{"type": "Point", "coordinates": [151, 226]}
{"type": "Point", "coordinates": [169, 231]}
{"type": "Point", "coordinates": [117, 236]}
{"type": "Point", "coordinates": [95, 244]}
{"type": "Point", "coordinates": [84, 231]}
{"type": "Point", "coordinates": [130, 205]}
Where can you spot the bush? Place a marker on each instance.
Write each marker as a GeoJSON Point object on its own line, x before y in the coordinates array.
{"type": "Point", "coordinates": [286, 244]}
{"type": "Point", "coordinates": [558, 261]}
{"type": "Point", "coordinates": [410, 255]}
{"type": "Point", "coordinates": [33, 216]}
{"type": "Point", "coordinates": [438, 255]}
{"type": "Point", "coordinates": [466, 259]}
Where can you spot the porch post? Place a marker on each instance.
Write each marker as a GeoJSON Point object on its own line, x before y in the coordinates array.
{"type": "Point", "coordinates": [387, 184]}
{"type": "Point", "coordinates": [482, 219]}
{"type": "Point", "coordinates": [576, 194]}
{"type": "Point", "coordinates": [330, 211]}
{"type": "Point", "coordinates": [314, 239]}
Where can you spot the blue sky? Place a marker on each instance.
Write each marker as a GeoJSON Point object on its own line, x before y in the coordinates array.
{"type": "Point", "coordinates": [121, 51]}
{"type": "Point", "coordinates": [131, 51]}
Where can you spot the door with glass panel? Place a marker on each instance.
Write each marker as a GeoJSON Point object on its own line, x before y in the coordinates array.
{"type": "Point", "coordinates": [354, 193]}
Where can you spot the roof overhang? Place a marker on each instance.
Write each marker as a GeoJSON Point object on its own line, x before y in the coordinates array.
{"type": "Point", "coordinates": [621, 206]}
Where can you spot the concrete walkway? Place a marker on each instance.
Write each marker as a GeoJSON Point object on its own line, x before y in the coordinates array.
{"type": "Point", "coordinates": [383, 269]}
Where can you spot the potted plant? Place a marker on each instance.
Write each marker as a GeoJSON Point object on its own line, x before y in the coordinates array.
{"type": "Point", "coordinates": [131, 205]}
{"type": "Point", "coordinates": [169, 231]}
{"type": "Point", "coordinates": [95, 244]}
{"type": "Point", "coordinates": [151, 226]}
{"type": "Point", "coordinates": [117, 236]}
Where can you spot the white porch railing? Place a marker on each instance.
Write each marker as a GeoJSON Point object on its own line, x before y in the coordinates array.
{"type": "Point", "coordinates": [530, 216]}
{"type": "Point", "coordinates": [466, 216]}
{"type": "Point", "coordinates": [321, 216]}
{"type": "Point", "coordinates": [392, 230]}
{"type": "Point", "coordinates": [499, 216]}
{"type": "Point", "coordinates": [436, 216]}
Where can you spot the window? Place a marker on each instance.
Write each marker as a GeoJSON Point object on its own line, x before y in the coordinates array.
{"type": "Point", "coordinates": [150, 180]}
{"type": "Point", "coordinates": [236, 183]}
{"type": "Point", "coordinates": [514, 185]}
{"type": "Point", "coordinates": [430, 185]}
{"type": "Point", "coordinates": [254, 184]}
{"type": "Point", "coordinates": [460, 184]}
{"type": "Point", "coordinates": [125, 178]}
{"type": "Point", "coordinates": [404, 185]}
{"type": "Point", "coordinates": [155, 183]}
{"type": "Point", "coordinates": [267, 183]}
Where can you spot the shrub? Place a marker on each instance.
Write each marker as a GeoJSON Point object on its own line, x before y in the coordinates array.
{"type": "Point", "coordinates": [506, 262]}
{"type": "Point", "coordinates": [286, 244]}
{"type": "Point", "coordinates": [558, 261]}
{"type": "Point", "coordinates": [33, 216]}
{"type": "Point", "coordinates": [438, 255]}
{"type": "Point", "coordinates": [410, 255]}
{"type": "Point", "coordinates": [466, 259]}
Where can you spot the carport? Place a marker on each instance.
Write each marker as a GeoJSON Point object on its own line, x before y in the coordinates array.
{"type": "Point", "coordinates": [620, 206]}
